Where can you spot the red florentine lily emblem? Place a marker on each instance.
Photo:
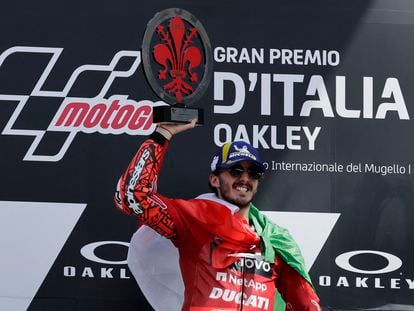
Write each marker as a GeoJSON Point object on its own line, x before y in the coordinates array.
{"type": "Point", "coordinates": [178, 56]}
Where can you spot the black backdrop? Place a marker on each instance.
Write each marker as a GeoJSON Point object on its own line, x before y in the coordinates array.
{"type": "Point", "coordinates": [370, 45]}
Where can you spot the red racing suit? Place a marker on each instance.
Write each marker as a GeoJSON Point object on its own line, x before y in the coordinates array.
{"type": "Point", "coordinates": [219, 252]}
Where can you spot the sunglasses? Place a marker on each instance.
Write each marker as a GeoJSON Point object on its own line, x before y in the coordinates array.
{"type": "Point", "coordinates": [238, 170]}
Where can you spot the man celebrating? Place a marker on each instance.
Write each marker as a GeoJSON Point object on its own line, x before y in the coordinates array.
{"type": "Point", "coordinates": [230, 255]}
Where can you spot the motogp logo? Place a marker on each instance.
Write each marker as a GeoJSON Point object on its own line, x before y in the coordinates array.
{"type": "Point", "coordinates": [116, 114]}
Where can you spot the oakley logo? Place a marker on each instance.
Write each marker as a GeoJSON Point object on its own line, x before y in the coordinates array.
{"type": "Point", "coordinates": [88, 251]}
{"type": "Point", "coordinates": [343, 261]}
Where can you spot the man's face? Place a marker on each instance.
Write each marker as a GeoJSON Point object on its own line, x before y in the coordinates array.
{"type": "Point", "coordinates": [237, 184]}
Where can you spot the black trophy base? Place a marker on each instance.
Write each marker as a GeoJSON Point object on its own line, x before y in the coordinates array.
{"type": "Point", "coordinates": [174, 114]}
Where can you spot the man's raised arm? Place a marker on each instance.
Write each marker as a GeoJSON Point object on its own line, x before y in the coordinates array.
{"type": "Point", "coordinates": [136, 192]}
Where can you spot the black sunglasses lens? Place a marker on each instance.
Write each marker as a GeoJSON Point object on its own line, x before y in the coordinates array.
{"type": "Point", "coordinates": [255, 173]}
{"type": "Point", "coordinates": [237, 171]}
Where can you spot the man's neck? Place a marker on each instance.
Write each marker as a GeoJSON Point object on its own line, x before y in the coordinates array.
{"type": "Point", "coordinates": [244, 211]}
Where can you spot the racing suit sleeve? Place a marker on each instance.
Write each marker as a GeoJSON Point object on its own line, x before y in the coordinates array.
{"type": "Point", "coordinates": [297, 293]}
{"type": "Point", "coordinates": [136, 192]}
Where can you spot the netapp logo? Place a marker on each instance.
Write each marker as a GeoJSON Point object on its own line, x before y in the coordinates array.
{"type": "Point", "coordinates": [372, 278]}
{"type": "Point", "coordinates": [89, 252]}
{"type": "Point", "coordinates": [114, 115]}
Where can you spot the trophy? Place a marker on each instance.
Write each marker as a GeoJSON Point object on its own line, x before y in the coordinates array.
{"type": "Point", "coordinates": [177, 61]}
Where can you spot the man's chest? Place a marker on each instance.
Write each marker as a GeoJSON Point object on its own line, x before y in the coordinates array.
{"type": "Point", "coordinates": [247, 283]}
